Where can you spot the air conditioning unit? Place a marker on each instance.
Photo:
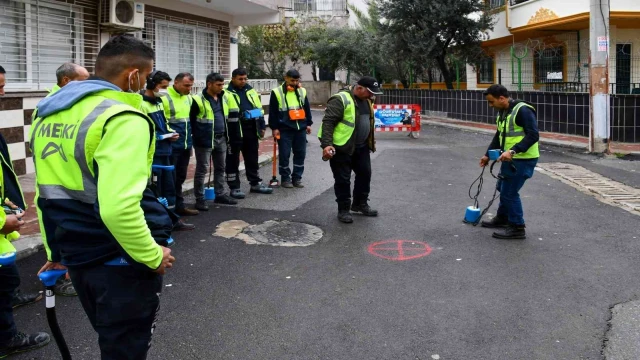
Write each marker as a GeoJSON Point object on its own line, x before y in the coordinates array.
{"type": "Point", "coordinates": [122, 14]}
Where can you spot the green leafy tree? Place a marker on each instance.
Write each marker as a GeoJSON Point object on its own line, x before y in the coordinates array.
{"type": "Point", "coordinates": [265, 49]}
{"type": "Point", "coordinates": [433, 30]}
{"type": "Point", "coordinates": [250, 51]}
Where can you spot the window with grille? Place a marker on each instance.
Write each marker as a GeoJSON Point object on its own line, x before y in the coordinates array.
{"type": "Point", "coordinates": [36, 37]}
{"type": "Point", "coordinates": [186, 48]}
{"type": "Point", "coordinates": [485, 71]}
{"type": "Point", "coordinates": [549, 65]}
{"type": "Point", "coordinates": [304, 6]}
{"type": "Point", "coordinates": [494, 4]}
{"type": "Point", "coordinates": [318, 7]}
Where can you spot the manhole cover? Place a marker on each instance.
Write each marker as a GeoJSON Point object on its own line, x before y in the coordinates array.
{"type": "Point", "coordinates": [274, 233]}
{"type": "Point", "coordinates": [284, 233]}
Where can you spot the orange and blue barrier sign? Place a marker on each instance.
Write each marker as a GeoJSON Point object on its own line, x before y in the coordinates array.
{"type": "Point", "coordinates": [398, 117]}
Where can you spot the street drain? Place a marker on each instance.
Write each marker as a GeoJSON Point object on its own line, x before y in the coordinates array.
{"type": "Point", "coordinates": [604, 189]}
{"type": "Point", "coordinates": [274, 233]}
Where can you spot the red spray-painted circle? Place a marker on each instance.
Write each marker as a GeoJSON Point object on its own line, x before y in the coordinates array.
{"type": "Point", "coordinates": [399, 250]}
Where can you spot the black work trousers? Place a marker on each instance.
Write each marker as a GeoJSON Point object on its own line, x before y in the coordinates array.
{"type": "Point", "coordinates": [180, 159]}
{"type": "Point", "coordinates": [342, 165]}
{"type": "Point", "coordinates": [249, 149]}
{"type": "Point", "coordinates": [122, 304]}
{"type": "Point", "coordinates": [9, 282]}
{"type": "Point", "coordinates": [165, 180]}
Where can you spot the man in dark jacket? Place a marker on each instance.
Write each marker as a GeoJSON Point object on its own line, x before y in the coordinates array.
{"type": "Point", "coordinates": [347, 139]}
{"type": "Point", "coordinates": [290, 120]}
{"type": "Point", "coordinates": [209, 124]}
{"type": "Point", "coordinates": [517, 139]}
{"type": "Point", "coordinates": [251, 130]}
{"type": "Point", "coordinates": [12, 341]}
{"type": "Point", "coordinates": [157, 84]}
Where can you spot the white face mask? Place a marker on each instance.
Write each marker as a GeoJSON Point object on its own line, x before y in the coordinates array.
{"type": "Point", "coordinates": [162, 92]}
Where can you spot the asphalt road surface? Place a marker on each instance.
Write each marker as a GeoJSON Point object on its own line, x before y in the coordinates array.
{"type": "Point", "coordinates": [471, 297]}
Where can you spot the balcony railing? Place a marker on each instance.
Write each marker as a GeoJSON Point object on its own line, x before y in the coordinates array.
{"type": "Point", "coordinates": [563, 87]}
{"type": "Point", "coordinates": [516, 2]}
{"type": "Point", "coordinates": [581, 87]}
{"type": "Point", "coordinates": [318, 7]}
{"type": "Point", "coordinates": [625, 88]}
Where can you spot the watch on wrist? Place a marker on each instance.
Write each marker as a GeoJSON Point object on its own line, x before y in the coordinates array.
{"type": "Point", "coordinates": [512, 152]}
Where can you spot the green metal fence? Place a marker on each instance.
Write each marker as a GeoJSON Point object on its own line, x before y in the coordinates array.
{"type": "Point", "coordinates": [564, 67]}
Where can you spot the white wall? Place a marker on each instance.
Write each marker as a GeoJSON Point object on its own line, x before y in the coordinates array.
{"type": "Point", "coordinates": [360, 5]}
{"type": "Point", "coordinates": [625, 5]}
{"type": "Point", "coordinates": [500, 26]}
{"type": "Point", "coordinates": [521, 14]}
{"type": "Point", "coordinates": [189, 9]}
{"type": "Point", "coordinates": [233, 48]}
{"type": "Point", "coordinates": [472, 78]}
{"type": "Point", "coordinates": [574, 59]}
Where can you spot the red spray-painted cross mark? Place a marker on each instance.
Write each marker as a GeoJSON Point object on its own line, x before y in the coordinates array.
{"type": "Point", "coordinates": [399, 250]}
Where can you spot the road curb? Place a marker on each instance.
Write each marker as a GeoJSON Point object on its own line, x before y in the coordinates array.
{"type": "Point", "coordinates": [560, 143]}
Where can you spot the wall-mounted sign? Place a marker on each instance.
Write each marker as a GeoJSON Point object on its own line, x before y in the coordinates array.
{"type": "Point", "coordinates": [554, 75]}
{"type": "Point", "coordinates": [603, 43]}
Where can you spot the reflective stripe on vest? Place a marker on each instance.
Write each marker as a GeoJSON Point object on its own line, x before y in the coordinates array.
{"type": "Point", "coordinates": [348, 103]}
{"type": "Point", "coordinates": [89, 184]}
{"type": "Point", "coordinates": [179, 115]}
{"type": "Point", "coordinates": [285, 101]}
{"type": "Point", "coordinates": [205, 116]}
{"type": "Point", "coordinates": [515, 133]}
{"type": "Point", "coordinates": [233, 106]}
{"type": "Point", "coordinates": [280, 96]}
{"type": "Point", "coordinates": [172, 111]}
{"type": "Point", "coordinates": [344, 129]}
{"type": "Point", "coordinates": [88, 194]}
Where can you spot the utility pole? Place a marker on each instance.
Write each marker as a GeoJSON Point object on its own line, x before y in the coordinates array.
{"type": "Point", "coordinates": [600, 104]}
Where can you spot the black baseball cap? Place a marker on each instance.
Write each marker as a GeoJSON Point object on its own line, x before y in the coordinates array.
{"type": "Point", "coordinates": [293, 73]}
{"type": "Point", "coordinates": [371, 84]}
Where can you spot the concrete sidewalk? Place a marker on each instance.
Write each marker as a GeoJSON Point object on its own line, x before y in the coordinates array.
{"type": "Point", "coordinates": [30, 241]}
{"type": "Point", "coordinates": [570, 141]}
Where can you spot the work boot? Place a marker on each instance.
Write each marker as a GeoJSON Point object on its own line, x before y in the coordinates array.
{"type": "Point", "coordinates": [20, 299]}
{"type": "Point", "coordinates": [364, 209]}
{"type": "Point", "coordinates": [187, 212]}
{"type": "Point", "coordinates": [298, 184]}
{"type": "Point", "coordinates": [496, 222]}
{"type": "Point", "coordinates": [22, 342]}
{"type": "Point", "coordinates": [183, 226]}
{"type": "Point", "coordinates": [237, 194]}
{"type": "Point", "coordinates": [513, 232]}
{"type": "Point", "coordinates": [64, 287]}
{"type": "Point", "coordinates": [225, 200]}
{"type": "Point", "coordinates": [202, 205]}
{"type": "Point", "coordinates": [287, 184]}
{"type": "Point", "coordinates": [261, 189]}
{"type": "Point", "coordinates": [343, 212]}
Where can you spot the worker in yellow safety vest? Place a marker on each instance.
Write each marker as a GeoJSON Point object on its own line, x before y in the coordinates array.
{"type": "Point", "coordinates": [347, 140]}
{"type": "Point", "coordinates": [517, 140]}
{"type": "Point", "coordinates": [177, 106]}
{"type": "Point", "coordinates": [11, 212]}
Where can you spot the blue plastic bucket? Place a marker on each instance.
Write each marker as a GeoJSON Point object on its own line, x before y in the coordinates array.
{"type": "Point", "coordinates": [494, 155]}
{"type": "Point", "coordinates": [8, 259]}
{"type": "Point", "coordinates": [209, 193]}
{"type": "Point", "coordinates": [472, 214]}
